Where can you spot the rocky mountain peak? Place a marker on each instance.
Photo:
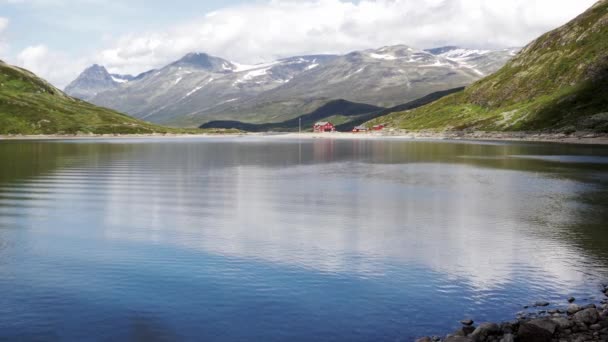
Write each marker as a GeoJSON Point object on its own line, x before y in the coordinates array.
{"type": "Point", "coordinates": [96, 71]}
{"type": "Point", "coordinates": [94, 80]}
{"type": "Point", "coordinates": [201, 60]}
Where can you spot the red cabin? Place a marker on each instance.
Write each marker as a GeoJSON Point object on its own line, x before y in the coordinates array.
{"type": "Point", "coordinates": [378, 127]}
{"type": "Point", "coordinates": [324, 126]}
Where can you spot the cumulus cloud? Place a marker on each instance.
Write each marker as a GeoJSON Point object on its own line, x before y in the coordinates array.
{"type": "Point", "coordinates": [54, 66]}
{"type": "Point", "coordinates": [266, 30]}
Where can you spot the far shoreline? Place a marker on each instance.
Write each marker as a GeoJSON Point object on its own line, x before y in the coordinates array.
{"type": "Point", "coordinates": [583, 138]}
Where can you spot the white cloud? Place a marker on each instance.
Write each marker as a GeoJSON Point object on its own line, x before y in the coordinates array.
{"type": "Point", "coordinates": [263, 31]}
{"type": "Point", "coordinates": [51, 65]}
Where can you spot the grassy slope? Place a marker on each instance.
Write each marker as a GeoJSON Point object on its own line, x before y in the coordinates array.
{"type": "Point", "coordinates": [30, 105]}
{"type": "Point", "coordinates": [558, 82]}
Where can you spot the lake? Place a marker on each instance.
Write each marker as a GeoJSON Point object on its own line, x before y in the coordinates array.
{"type": "Point", "coordinates": [270, 239]}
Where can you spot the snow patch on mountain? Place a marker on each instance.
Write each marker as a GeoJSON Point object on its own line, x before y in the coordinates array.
{"type": "Point", "coordinates": [312, 66]}
{"type": "Point", "coordinates": [197, 88]}
{"type": "Point", "coordinates": [386, 57]}
{"type": "Point", "coordinates": [119, 80]}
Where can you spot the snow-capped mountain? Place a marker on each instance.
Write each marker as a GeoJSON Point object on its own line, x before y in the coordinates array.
{"type": "Point", "coordinates": [201, 83]}
{"type": "Point", "coordinates": [200, 88]}
{"type": "Point", "coordinates": [483, 62]}
{"type": "Point", "coordinates": [94, 80]}
{"type": "Point", "coordinates": [384, 77]}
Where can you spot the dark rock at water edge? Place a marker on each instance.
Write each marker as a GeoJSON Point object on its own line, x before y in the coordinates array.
{"type": "Point", "coordinates": [467, 322]}
{"type": "Point", "coordinates": [529, 332]}
{"type": "Point", "coordinates": [574, 323]}
{"type": "Point", "coordinates": [541, 303]}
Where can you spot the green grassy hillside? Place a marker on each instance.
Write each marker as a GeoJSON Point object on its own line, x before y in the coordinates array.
{"type": "Point", "coordinates": [558, 82]}
{"type": "Point", "coordinates": [30, 105]}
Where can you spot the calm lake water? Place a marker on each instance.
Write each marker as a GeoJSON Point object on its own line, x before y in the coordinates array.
{"type": "Point", "coordinates": [263, 239]}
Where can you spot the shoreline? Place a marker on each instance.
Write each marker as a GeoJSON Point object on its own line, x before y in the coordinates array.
{"type": "Point", "coordinates": [548, 322]}
{"type": "Point", "coordinates": [587, 138]}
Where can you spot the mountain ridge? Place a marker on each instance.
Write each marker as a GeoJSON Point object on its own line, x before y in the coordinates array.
{"type": "Point", "coordinates": [285, 88]}
{"type": "Point", "coordinates": [557, 82]}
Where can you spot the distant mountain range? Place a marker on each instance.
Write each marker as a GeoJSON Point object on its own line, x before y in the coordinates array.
{"type": "Point", "coordinates": [200, 88]}
{"type": "Point", "coordinates": [558, 82]}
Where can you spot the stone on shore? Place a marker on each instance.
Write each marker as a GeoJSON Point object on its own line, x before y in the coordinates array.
{"type": "Point", "coordinates": [533, 333]}
{"type": "Point", "coordinates": [545, 323]}
{"type": "Point", "coordinates": [541, 303]}
{"type": "Point", "coordinates": [587, 316]}
{"type": "Point", "coordinates": [571, 300]}
{"type": "Point", "coordinates": [484, 330]}
{"type": "Point", "coordinates": [458, 339]}
{"type": "Point", "coordinates": [563, 323]}
{"type": "Point", "coordinates": [507, 338]}
{"type": "Point", "coordinates": [424, 339]}
{"type": "Point", "coordinates": [573, 308]}
{"type": "Point", "coordinates": [464, 331]}
{"type": "Point", "coordinates": [467, 322]}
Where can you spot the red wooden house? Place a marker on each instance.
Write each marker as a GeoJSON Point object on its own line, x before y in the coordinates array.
{"type": "Point", "coordinates": [378, 127]}
{"type": "Point", "coordinates": [323, 126]}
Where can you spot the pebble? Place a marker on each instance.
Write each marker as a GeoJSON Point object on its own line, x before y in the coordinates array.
{"type": "Point", "coordinates": [541, 303]}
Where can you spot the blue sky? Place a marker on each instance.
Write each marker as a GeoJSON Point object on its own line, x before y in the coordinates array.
{"type": "Point", "coordinates": [57, 39]}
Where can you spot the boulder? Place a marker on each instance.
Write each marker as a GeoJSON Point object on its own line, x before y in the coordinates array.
{"type": "Point", "coordinates": [458, 339]}
{"type": "Point", "coordinates": [563, 323]}
{"type": "Point", "coordinates": [571, 300]}
{"type": "Point", "coordinates": [541, 303]}
{"type": "Point", "coordinates": [424, 339]}
{"type": "Point", "coordinates": [509, 327]}
{"type": "Point", "coordinates": [595, 327]}
{"type": "Point", "coordinates": [468, 330]}
{"type": "Point", "coordinates": [573, 308]}
{"type": "Point", "coordinates": [545, 323]}
{"type": "Point", "coordinates": [587, 316]}
{"type": "Point", "coordinates": [467, 322]}
{"type": "Point", "coordinates": [532, 333]}
{"type": "Point", "coordinates": [484, 330]}
{"type": "Point", "coordinates": [507, 338]}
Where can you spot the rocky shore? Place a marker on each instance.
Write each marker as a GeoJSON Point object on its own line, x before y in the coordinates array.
{"type": "Point", "coordinates": [567, 138]}
{"type": "Point", "coordinates": [570, 323]}
{"type": "Point", "coordinates": [579, 137]}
